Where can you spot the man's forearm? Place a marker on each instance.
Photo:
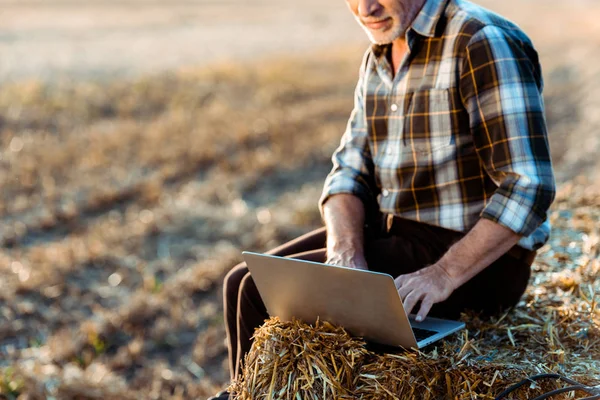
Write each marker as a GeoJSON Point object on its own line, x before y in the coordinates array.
{"type": "Point", "coordinates": [479, 248]}
{"type": "Point", "coordinates": [344, 216]}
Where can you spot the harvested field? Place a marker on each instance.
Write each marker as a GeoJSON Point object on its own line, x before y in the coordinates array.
{"type": "Point", "coordinates": [126, 197]}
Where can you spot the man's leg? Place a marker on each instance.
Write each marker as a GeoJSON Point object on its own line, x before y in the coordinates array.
{"type": "Point", "coordinates": [232, 288]}
{"type": "Point", "coordinates": [251, 313]}
{"type": "Point", "coordinates": [310, 241]}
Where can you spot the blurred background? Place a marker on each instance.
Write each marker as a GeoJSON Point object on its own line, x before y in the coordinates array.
{"type": "Point", "coordinates": [145, 144]}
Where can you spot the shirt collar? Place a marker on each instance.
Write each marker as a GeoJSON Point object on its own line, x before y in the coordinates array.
{"type": "Point", "coordinates": [427, 19]}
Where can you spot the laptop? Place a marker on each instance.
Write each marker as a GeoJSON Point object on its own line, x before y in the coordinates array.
{"type": "Point", "coordinates": [365, 303]}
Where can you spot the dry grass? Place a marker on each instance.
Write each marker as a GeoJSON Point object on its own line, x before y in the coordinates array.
{"type": "Point", "coordinates": [123, 206]}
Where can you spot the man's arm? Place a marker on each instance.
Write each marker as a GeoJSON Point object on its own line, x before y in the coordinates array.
{"type": "Point", "coordinates": [350, 187]}
{"type": "Point", "coordinates": [483, 245]}
{"type": "Point", "coordinates": [500, 86]}
{"type": "Point", "coordinates": [344, 216]}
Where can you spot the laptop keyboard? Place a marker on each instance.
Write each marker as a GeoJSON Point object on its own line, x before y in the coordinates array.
{"type": "Point", "coordinates": [421, 334]}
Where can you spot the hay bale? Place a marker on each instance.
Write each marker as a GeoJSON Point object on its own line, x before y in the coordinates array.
{"type": "Point", "coordinates": [293, 360]}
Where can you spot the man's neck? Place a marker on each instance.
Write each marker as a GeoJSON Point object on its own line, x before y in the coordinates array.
{"type": "Point", "coordinates": [399, 49]}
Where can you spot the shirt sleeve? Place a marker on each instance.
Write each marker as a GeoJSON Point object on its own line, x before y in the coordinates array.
{"type": "Point", "coordinates": [501, 89]}
{"type": "Point", "coordinates": [353, 170]}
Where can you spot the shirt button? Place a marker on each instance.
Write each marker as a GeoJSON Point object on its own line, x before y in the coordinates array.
{"type": "Point", "coordinates": [394, 107]}
{"type": "Point", "coordinates": [385, 193]}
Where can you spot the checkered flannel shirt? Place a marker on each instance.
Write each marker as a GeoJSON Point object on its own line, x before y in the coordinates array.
{"type": "Point", "coordinates": [458, 134]}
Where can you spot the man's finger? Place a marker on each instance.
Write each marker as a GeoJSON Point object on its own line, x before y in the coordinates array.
{"type": "Point", "coordinates": [332, 261]}
{"type": "Point", "coordinates": [410, 301]}
{"type": "Point", "coordinates": [403, 291]}
{"type": "Point", "coordinates": [401, 281]}
{"type": "Point", "coordinates": [426, 305]}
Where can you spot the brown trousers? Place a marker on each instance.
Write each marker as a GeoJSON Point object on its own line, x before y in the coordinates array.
{"type": "Point", "coordinates": [408, 247]}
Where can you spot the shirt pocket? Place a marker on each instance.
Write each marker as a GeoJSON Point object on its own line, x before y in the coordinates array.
{"type": "Point", "coordinates": [428, 122]}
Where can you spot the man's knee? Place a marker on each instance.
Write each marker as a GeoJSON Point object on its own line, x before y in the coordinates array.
{"type": "Point", "coordinates": [250, 303]}
{"type": "Point", "coordinates": [247, 290]}
{"type": "Point", "coordinates": [233, 280]}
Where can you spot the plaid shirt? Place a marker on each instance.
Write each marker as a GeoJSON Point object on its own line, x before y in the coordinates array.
{"type": "Point", "coordinates": [458, 134]}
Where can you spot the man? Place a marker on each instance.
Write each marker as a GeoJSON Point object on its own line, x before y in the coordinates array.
{"type": "Point", "coordinates": [443, 177]}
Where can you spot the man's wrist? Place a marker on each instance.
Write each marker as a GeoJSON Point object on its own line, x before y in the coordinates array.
{"type": "Point", "coordinates": [348, 249]}
{"type": "Point", "coordinates": [345, 243]}
{"type": "Point", "coordinates": [453, 274]}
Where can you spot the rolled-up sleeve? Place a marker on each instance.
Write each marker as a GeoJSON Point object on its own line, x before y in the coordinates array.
{"type": "Point", "coordinates": [353, 171]}
{"type": "Point", "coordinates": [501, 89]}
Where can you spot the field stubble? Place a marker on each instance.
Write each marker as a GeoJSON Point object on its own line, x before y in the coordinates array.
{"type": "Point", "coordinates": [124, 204]}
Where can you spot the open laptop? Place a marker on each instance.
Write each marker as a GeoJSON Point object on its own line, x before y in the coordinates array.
{"type": "Point", "coordinates": [365, 303]}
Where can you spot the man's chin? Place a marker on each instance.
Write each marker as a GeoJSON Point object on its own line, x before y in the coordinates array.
{"type": "Point", "coordinates": [383, 38]}
{"type": "Point", "coordinates": [380, 42]}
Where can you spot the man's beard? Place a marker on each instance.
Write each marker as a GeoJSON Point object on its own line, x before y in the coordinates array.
{"type": "Point", "coordinates": [387, 37]}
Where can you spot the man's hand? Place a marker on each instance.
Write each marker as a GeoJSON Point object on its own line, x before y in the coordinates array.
{"type": "Point", "coordinates": [348, 259]}
{"type": "Point", "coordinates": [430, 285]}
